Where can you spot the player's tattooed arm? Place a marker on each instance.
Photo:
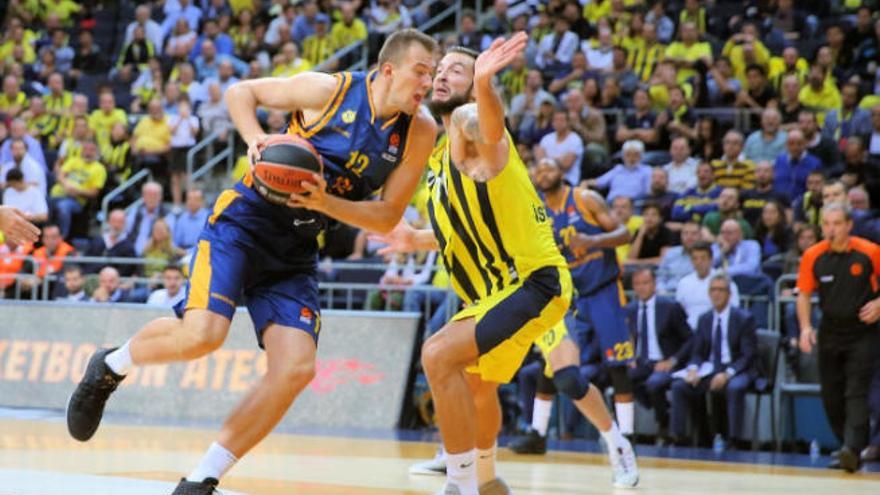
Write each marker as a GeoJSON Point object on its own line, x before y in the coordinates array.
{"type": "Point", "coordinates": [466, 119]}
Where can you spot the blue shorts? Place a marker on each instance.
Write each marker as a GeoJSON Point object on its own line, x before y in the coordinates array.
{"type": "Point", "coordinates": [245, 250]}
{"type": "Point", "coordinates": [600, 321]}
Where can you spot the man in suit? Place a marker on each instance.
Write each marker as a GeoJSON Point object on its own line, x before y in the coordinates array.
{"type": "Point", "coordinates": [659, 328]}
{"type": "Point", "coordinates": [722, 362]}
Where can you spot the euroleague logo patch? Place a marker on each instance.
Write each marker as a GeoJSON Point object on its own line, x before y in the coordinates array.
{"type": "Point", "coordinates": [856, 269]}
{"type": "Point", "coordinates": [306, 315]}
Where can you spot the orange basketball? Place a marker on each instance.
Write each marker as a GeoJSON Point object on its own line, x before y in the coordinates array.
{"type": "Point", "coordinates": [285, 163]}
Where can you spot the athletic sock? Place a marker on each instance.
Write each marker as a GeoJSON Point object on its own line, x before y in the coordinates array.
{"type": "Point", "coordinates": [119, 361]}
{"type": "Point", "coordinates": [214, 464]}
{"type": "Point", "coordinates": [541, 416]}
{"type": "Point", "coordinates": [625, 416]}
{"type": "Point", "coordinates": [486, 464]}
{"type": "Point", "coordinates": [612, 436]}
{"type": "Point", "coordinates": [461, 471]}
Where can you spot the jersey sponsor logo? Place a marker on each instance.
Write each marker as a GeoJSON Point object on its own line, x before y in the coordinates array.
{"type": "Point", "coordinates": [856, 269]}
{"type": "Point", "coordinates": [342, 131]}
{"type": "Point", "coordinates": [349, 116]}
{"type": "Point", "coordinates": [388, 157]}
{"type": "Point", "coordinates": [826, 279]}
{"type": "Point", "coordinates": [297, 222]}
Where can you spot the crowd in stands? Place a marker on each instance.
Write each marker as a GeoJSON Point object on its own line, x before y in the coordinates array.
{"type": "Point", "coordinates": [716, 130]}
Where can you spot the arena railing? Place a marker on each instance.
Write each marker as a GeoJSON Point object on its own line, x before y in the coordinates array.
{"type": "Point", "coordinates": [141, 175]}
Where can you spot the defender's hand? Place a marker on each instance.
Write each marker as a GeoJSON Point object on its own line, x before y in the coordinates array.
{"type": "Point", "coordinates": [401, 239]}
{"type": "Point", "coordinates": [255, 148]}
{"type": "Point", "coordinates": [499, 55]}
{"type": "Point", "coordinates": [16, 228]}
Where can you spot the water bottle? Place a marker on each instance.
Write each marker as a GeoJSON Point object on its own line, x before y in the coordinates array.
{"type": "Point", "coordinates": [718, 444]}
{"type": "Point", "coordinates": [815, 452]}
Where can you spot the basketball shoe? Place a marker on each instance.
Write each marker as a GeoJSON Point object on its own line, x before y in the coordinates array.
{"type": "Point", "coordinates": [86, 406]}
{"type": "Point", "coordinates": [434, 467]}
{"type": "Point", "coordinates": [206, 487]}
{"type": "Point", "coordinates": [530, 443]}
{"type": "Point", "coordinates": [624, 467]}
{"type": "Point", "coordinates": [495, 487]}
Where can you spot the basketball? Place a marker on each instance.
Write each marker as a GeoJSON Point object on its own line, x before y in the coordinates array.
{"type": "Point", "coordinates": [285, 163]}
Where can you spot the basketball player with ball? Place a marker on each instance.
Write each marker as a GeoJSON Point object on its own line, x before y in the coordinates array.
{"type": "Point", "coordinates": [350, 135]}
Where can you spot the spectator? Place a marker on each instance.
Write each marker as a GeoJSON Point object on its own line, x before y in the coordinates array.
{"type": "Point", "coordinates": [622, 206]}
{"type": "Point", "coordinates": [137, 53]}
{"type": "Point", "coordinates": [74, 285]}
{"type": "Point", "coordinates": [151, 28]}
{"type": "Point", "coordinates": [25, 197]}
{"type": "Point", "coordinates": [631, 178]}
{"type": "Point", "coordinates": [657, 16]}
{"type": "Point", "coordinates": [676, 262]}
{"type": "Point", "coordinates": [848, 120]}
{"type": "Point", "coordinates": [78, 181]}
{"type": "Point", "coordinates": [222, 43]}
{"type": "Point", "coordinates": [692, 291]}
{"type": "Point", "coordinates": [772, 231]}
{"type": "Point", "coordinates": [89, 58]}
{"type": "Point", "coordinates": [556, 50]}
{"type": "Point", "coordinates": [874, 138]}
{"type": "Point", "coordinates": [732, 169]}
{"type": "Point", "coordinates": [652, 240]}
{"type": "Point", "coordinates": [31, 171]}
{"type": "Point", "coordinates": [40, 123]}
{"type": "Point", "coordinates": [662, 337]}
{"type": "Point", "coordinates": [687, 52]}
{"type": "Point", "coordinates": [139, 222]}
{"type": "Point", "coordinates": [468, 35]}
{"type": "Point", "coordinates": [225, 76]}
{"type": "Point", "coordinates": [790, 103]}
{"type": "Point", "coordinates": [18, 130]}
{"type": "Point", "coordinates": [589, 124]}
{"type": "Point", "coordinates": [677, 120]}
{"type": "Point", "coordinates": [498, 22]}
{"type": "Point", "coordinates": [728, 209]}
{"type": "Point", "coordinates": [600, 53]}
{"type": "Point", "coordinates": [304, 25]}
{"type": "Point", "coordinates": [698, 200]}
{"type": "Point", "coordinates": [213, 113]}
{"type": "Point", "coordinates": [538, 127]}
{"type": "Point", "coordinates": [659, 193]}
{"type": "Point", "coordinates": [281, 27]}
{"type": "Point", "coordinates": [571, 79]}
{"type": "Point", "coordinates": [564, 146]}
{"type": "Point", "coordinates": [62, 50]}
{"type": "Point", "coordinates": [110, 289]}
{"type": "Point", "coordinates": [116, 155]}
{"type": "Point", "coordinates": [184, 129]}
{"type": "Point", "coordinates": [114, 242]}
{"type": "Point", "coordinates": [186, 78]}
{"type": "Point", "coordinates": [151, 140]}
{"type": "Point", "coordinates": [318, 47]}
{"type": "Point", "coordinates": [188, 224]}
{"type": "Point", "coordinates": [48, 259]}
{"type": "Point", "coordinates": [72, 145]}
{"type": "Point", "coordinates": [12, 101]}
{"type": "Point", "coordinates": [571, 11]}
{"type": "Point", "coordinates": [864, 223]}
{"type": "Point", "coordinates": [808, 206]}
{"type": "Point", "coordinates": [767, 143]}
{"type": "Point", "coordinates": [818, 145]}
{"type": "Point", "coordinates": [172, 292]}
{"type": "Point", "coordinates": [753, 200]}
{"type": "Point", "coordinates": [682, 170]}
{"type": "Point", "coordinates": [856, 170]}
{"type": "Point", "coordinates": [159, 251]}
{"type": "Point", "coordinates": [101, 121]}
{"type": "Point", "coordinates": [733, 253]}
{"type": "Point", "coordinates": [708, 145]}
{"type": "Point", "coordinates": [744, 50]}
{"type": "Point", "coordinates": [722, 362]}
{"type": "Point", "coordinates": [819, 95]}
{"type": "Point", "coordinates": [181, 41]}
{"type": "Point", "coordinates": [524, 106]}
{"type": "Point", "coordinates": [640, 125]}
{"type": "Point", "coordinates": [791, 168]}
{"type": "Point", "coordinates": [723, 88]}
{"type": "Point", "coordinates": [644, 56]}
{"type": "Point", "coordinates": [759, 95]}
{"type": "Point", "coordinates": [288, 62]}
{"type": "Point", "coordinates": [188, 13]}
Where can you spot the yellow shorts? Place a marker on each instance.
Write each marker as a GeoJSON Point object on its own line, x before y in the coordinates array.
{"type": "Point", "coordinates": [509, 321]}
{"type": "Point", "coordinates": [550, 341]}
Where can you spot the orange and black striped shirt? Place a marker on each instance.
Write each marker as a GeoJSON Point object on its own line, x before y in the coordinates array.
{"type": "Point", "coordinates": [846, 280]}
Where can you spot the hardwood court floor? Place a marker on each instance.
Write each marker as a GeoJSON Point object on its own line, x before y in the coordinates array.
{"type": "Point", "coordinates": [303, 464]}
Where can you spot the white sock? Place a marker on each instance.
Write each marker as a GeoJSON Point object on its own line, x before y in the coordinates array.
{"type": "Point", "coordinates": [541, 416]}
{"type": "Point", "coordinates": [613, 438]}
{"type": "Point", "coordinates": [214, 464]}
{"type": "Point", "coordinates": [625, 416]}
{"type": "Point", "coordinates": [120, 360]}
{"type": "Point", "coordinates": [486, 464]}
{"type": "Point", "coordinates": [461, 471]}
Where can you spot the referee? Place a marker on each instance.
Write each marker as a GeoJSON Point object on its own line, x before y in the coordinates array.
{"type": "Point", "coordinates": [844, 269]}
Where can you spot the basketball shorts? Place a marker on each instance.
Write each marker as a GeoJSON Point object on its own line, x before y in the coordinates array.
{"type": "Point", "coordinates": [601, 320]}
{"type": "Point", "coordinates": [510, 320]}
{"type": "Point", "coordinates": [548, 342]}
{"type": "Point", "coordinates": [241, 250]}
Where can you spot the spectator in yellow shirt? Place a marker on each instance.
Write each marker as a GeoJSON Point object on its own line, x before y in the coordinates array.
{"type": "Point", "coordinates": [151, 139]}
{"type": "Point", "coordinates": [26, 52]}
{"type": "Point", "coordinates": [685, 53]}
{"type": "Point", "coordinates": [79, 180]}
{"type": "Point", "coordinates": [819, 94]}
{"type": "Point", "coordinates": [12, 100]}
{"type": "Point", "coordinates": [319, 47]}
{"type": "Point", "coordinates": [58, 101]}
{"type": "Point", "coordinates": [744, 49]}
{"type": "Point", "coordinates": [102, 119]}
{"type": "Point", "coordinates": [349, 29]}
{"type": "Point", "coordinates": [622, 206]}
{"type": "Point", "coordinates": [288, 62]}
{"type": "Point", "coordinates": [64, 9]}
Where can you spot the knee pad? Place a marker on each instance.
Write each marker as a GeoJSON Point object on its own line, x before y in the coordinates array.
{"type": "Point", "coordinates": [545, 385]}
{"type": "Point", "coordinates": [620, 380]}
{"type": "Point", "coordinates": [570, 382]}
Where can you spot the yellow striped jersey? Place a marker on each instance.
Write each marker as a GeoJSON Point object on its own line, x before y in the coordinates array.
{"type": "Point", "coordinates": [317, 49]}
{"type": "Point", "coordinates": [491, 234]}
{"type": "Point", "coordinates": [740, 174]}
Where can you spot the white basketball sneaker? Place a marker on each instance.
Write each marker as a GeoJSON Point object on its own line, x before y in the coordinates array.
{"type": "Point", "coordinates": [434, 467]}
{"type": "Point", "coordinates": [625, 469]}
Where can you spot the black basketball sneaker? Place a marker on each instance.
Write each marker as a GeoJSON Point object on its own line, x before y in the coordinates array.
{"type": "Point", "coordinates": [206, 487]}
{"type": "Point", "coordinates": [86, 406]}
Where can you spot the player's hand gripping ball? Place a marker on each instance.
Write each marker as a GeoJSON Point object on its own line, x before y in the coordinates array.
{"type": "Point", "coordinates": [285, 163]}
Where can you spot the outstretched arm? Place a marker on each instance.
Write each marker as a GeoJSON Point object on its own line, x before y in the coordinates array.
{"type": "Point", "coordinates": [405, 239]}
